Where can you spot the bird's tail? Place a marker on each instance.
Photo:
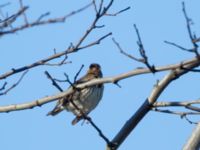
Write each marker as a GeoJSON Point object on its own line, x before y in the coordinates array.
{"type": "Point", "coordinates": [55, 111]}
{"type": "Point", "coordinates": [76, 120]}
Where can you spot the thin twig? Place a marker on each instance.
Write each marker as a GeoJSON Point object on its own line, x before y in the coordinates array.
{"type": "Point", "coordinates": [191, 122]}
{"type": "Point", "coordinates": [98, 130]}
{"type": "Point", "coordinates": [180, 113]}
{"type": "Point", "coordinates": [53, 81]}
{"type": "Point", "coordinates": [24, 14]}
{"type": "Point", "coordinates": [77, 74]}
{"type": "Point", "coordinates": [15, 84]}
{"type": "Point", "coordinates": [95, 42]}
{"type": "Point", "coordinates": [3, 86]}
{"type": "Point", "coordinates": [119, 12]}
{"type": "Point", "coordinates": [192, 37]}
{"type": "Point", "coordinates": [48, 21]}
{"type": "Point", "coordinates": [58, 64]}
{"type": "Point", "coordinates": [9, 20]}
{"type": "Point", "coordinates": [99, 15]}
{"type": "Point", "coordinates": [124, 53]}
{"type": "Point", "coordinates": [178, 46]}
{"type": "Point", "coordinates": [142, 51]}
{"type": "Point", "coordinates": [188, 21]}
{"type": "Point", "coordinates": [43, 16]}
{"type": "Point", "coordinates": [62, 62]}
{"type": "Point", "coordinates": [68, 81]}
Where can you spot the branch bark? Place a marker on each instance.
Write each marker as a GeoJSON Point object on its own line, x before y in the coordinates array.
{"type": "Point", "coordinates": [193, 143]}
{"type": "Point", "coordinates": [176, 103]}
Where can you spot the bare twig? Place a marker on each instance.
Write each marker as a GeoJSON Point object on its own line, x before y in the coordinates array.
{"type": "Point", "coordinates": [3, 86]}
{"type": "Point", "coordinates": [62, 62]}
{"type": "Point", "coordinates": [192, 37]}
{"type": "Point", "coordinates": [178, 46]}
{"type": "Point", "coordinates": [142, 51]}
{"type": "Point", "coordinates": [144, 58]}
{"type": "Point", "coordinates": [124, 53]}
{"type": "Point", "coordinates": [77, 74]}
{"type": "Point", "coordinates": [43, 16]}
{"type": "Point", "coordinates": [99, 15]}
{"type": "Point", "coordinates": [70, 83]}
{"type": "Point", "coordinates": [14, 85]}
{"type": "Point", "coordinates": [95, 42]}
{"type": "Point", "coordinates": [9, 20]}
{"type": "Point", "coordinates": [39, 22]}
{"type": "Point", "coordinates": [98, 130]}
{"type": "Point", "coordinates": [95, 6]}
{"type": "Point", "coordinates": [53, 81]}
{"type": "Point", "coordinates": [58, 64]}
{"type": "Point", "coordinates": [179, 113]}
{"type": "Point", "coordinates": [119, 12]}
{"type": "Point", "coordinates": [190, 121]}
{"type": "Point", "coordinates": [24, 14]}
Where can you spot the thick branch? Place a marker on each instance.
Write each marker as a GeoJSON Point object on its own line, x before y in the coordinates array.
{"type": "Point", "coordinates": [114, 79]}
{"type": "Point", "coordinates": [193, 142]}
{"type": "Point", "coordinates": [146, 106]}
{"type": "Point", "coordinates": [32, 104]}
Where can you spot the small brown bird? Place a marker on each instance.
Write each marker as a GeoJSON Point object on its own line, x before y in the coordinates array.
{"type": "Point", "coordinates": [85, 99]}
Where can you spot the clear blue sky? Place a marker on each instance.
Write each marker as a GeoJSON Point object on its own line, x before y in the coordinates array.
{"type": "Point", "coordinates": [157, 21]}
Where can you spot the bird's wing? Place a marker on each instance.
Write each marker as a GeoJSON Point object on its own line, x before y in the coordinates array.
{"type": "Point", "coordinates": [58, 108]}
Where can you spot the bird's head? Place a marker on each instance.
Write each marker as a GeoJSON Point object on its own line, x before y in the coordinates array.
{"type": "Point", "coordinates": [95, 69]}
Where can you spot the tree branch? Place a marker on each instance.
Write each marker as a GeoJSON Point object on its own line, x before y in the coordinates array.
{"type": "Point", "coordinates": [176, 103]}
{"type": "Point", "coordinates": [113, 79]}
{"type": "Point", "coordinates": [193, 142]}
{"type": "Point", "coordinates": [192, 37]}
{"type": "Point", "coordinates": [38, 22]}
{"type": "Point", "coordinates": [70, 49]}
{"type": "Point", "coordinates": [14, 85]}
{"type": "Point", "coordinates": [146, 106]}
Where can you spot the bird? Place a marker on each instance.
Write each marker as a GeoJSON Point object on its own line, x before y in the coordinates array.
{"type": "Point", "coordinates": [82, 101]}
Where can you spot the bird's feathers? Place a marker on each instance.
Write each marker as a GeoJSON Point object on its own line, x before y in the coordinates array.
{"type": "Point", "coordinates": [85, 99]}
